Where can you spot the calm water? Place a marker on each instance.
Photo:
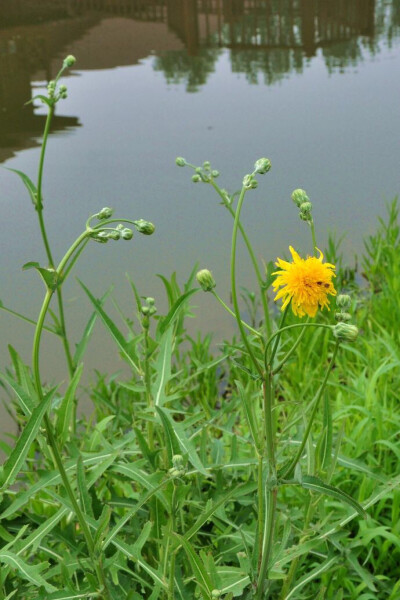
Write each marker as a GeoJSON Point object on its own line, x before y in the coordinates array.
{"type": "Point", "coordinates": [313, 85]}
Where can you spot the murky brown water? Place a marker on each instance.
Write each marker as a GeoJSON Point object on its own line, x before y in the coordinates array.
{"type": "Point", "coordinates": [314, 85]}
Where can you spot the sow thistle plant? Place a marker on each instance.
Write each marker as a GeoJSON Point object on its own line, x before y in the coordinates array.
{"type": "Point", "coordinates": [197, 476]}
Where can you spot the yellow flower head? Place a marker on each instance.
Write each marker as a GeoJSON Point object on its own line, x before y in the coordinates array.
{"type": "Point", "coordinates": [305, 282]}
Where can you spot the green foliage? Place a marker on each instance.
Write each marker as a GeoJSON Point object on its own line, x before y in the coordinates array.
{"type": "Point", "coordinates": [241, 474]}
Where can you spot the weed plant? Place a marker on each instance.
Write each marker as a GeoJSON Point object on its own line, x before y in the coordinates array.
{"type": "Point", "coordinates": [269, 470]}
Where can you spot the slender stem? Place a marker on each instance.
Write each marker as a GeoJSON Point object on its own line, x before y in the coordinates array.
{"type": "Point", "coordinates": [171, 581]}
{"type": "Point", "coordinates": [314, 239]}
{"type": "Point", "coordinates": [278, 336]}
{"type": "Point", "coordinates": [28, 320]}
{"type": "Point", "coordinates": [233, 284]}
{"type": "Point", "coordinates": [288, 470]}
{"type": "Point", "coordinates": [290, 352]}
{"type": "Point", "coordinates": [48, 426]}
{"type": "Point", "coordinates": [253, 259]}
{"type": "Point", "coordinates": [257, 333]}
{"type": "Point", "coordinates": [39, 206]}
{"type": "Point", "coordinates": [266, 522]}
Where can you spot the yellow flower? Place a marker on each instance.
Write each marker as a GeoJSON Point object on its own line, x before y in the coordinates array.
{"type": "Point", "coordinates": [305, 282]}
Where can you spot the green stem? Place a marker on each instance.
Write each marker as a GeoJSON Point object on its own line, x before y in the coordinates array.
{"type": "Point", "coordinates": [48, 426]}
{"type": "Point", "coordinates": [314, 239]}
{"type": "Point", "coordinates": [253, 259]}
{"type": "Point", "coordinates": [288, 470]}
{"type": "Point", "coordinates": [290, 352]}
{"type": "Point", "coordinates": [226, 307]}
{"type": "Point", "coordinates": [171, 579]}
{"type": "Point", "coordinates": [39, 206]}
{"type": "Point", "coordinates": [233, 284]}
{"type": "Point", "coordinates": [277, 337]}
{"type": "Point", "coordinates": [266, 523]}
{"type": "Point", "coordinates": [279, 331]}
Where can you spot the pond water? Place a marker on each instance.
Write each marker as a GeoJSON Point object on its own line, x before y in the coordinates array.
{"type": "Point", "coordinates": [314, 85]}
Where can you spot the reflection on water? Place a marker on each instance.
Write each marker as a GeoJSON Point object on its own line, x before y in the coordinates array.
{"type": "Point", "coordinates": [266, 40]}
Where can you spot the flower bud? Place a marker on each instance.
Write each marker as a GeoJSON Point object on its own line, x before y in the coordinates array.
{"type": "Point", "coordinates": [114, 235]}
{"type": "Point", "coordinates": [207, 165]}
{"type": "Point", "coordinates": [262, 166]}
{"type": "Point", "coordinates": [196, 178]}
{"type": "Point", "coordinates": [145, 310]}
{"type": "Point", "coordinates": [215, 173]}
{"type": "Point", "coordinates": [62, 88]}
{"type": "Point", "coordinates": [181, 162]}
{"type": "Point", "coordinates": [343, 301]}
{"type": "Point", "coordinates": [150, 301]}
{"type": "Point", "coordinates": [144, 227]}
{"type": "Point", "coordinates": [344, 332]}
{"type": "Point", "coordinates": [343, 316]}
{"type": "Point", "coordinates": [305, 211]}
{"type": "Point", "coordinates": [69, 61]}
{"type": "Point", "coordinates": [247, 181]}
{"type": "Point", "coordinates": [63, 95]}
{"type": "Point", "coordinates": [105, 213]}
{"type": "Point", "coordinates": [254, 184]}
{"type": "Point", "coordinates": [127, 234]}
{"type": "Point", "coordinates": [206, 280]}
{"type": "Point", "coordinates": [299, 196]}
{"type": "Point", "coordinates": [215, 594]}
{"type": "Point", "coordinates": [102, 237]}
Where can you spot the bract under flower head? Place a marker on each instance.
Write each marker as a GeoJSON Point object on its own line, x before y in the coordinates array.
{"type": "Point", "coordinates": [305, 282]}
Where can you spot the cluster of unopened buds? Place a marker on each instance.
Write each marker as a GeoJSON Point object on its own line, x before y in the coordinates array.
{"type": "Point", "coordinates": [304, 205]}
{"type": "Point", "coordinates": [55, 93]}
{"type": "Point", "coordinates": [103, 234]}
{"type": "Point", "coordinates": [343, 330]}
{"type": "Point", "coordinates": [178, 467]}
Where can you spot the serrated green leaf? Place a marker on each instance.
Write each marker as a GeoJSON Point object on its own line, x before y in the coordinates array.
{"type": "Point", "coordinates": [112, 328]}
{"type": "Point", "coordinates": [15, 461]}
{"type": "Point", "coordinates": [174, 312]}
{"type": "Point", "coordinates": [28, 572]}
{"type": "Point", "coordinates": [200, 573]}
{"type": "Point", "coordinates": [317, 485]}
{"type": "Point", "coordinates": [84, 496]}
{"type": "Point", "coordinates": [163, 369]}
{"type": "Point", "coordinates": [172, 443]}
{"type": "Point", "coordinates": [66, 411]}
{"type": "Point", "coordinates": [83, 342]}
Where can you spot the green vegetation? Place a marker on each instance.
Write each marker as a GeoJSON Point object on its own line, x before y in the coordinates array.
{"type": "Point", "coordinates": [266, 470]}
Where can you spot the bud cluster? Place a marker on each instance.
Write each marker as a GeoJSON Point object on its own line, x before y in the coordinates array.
{"type": "Point", "coordinates": [148, 309]}
{"type": "Point", "coordinates": [302, 201]}
{"type": "Point", "coordinates": [205, 173]}
{"type": "Point", "coordinates": [54, 94]}
{"type": "Point", "coordinates": [178, 466]}
{"type": "Point", "coordinates": [343, 330]}
{"type": "Point", "coordinates": [111, 233]}
{"type": "Point", "coordinates": [249, 182]}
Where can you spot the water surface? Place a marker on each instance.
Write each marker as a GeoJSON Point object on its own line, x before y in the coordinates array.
{"type": "Point", "coordinates": [313, 85]}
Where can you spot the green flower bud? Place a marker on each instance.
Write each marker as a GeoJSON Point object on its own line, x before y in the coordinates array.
{"type": "Point", "coordinates": [254, 184]}
{"type": "Point", "coordinates": [181, 162]}
{"type": "Point", "coordinates": [215, 173]}
{"type": "Point", "coordinates": [207, 165]}
{"type": "Point", "coordinates": [127, 234]}
{"type": "Point", "coordinates": [206, 280]}
{"type": "Point", "coordinates": [63, 95]}
{"type": "Point", "coordinates": [102, 237]}
{"type": "Point", "coordinates": [247, 181]}
{"type": "Point", "coordinates": [145, 310]}
{"type": "Point", "coordinates": [343, 301]}
{"type": "Point", "coordinates": [305, 211]}
{"type": "Point", "coordinates": [114, 235]}
{"type": "Point", "coordinates": [299, 196]}
{"type": "Point", "coordinates": [62, 88]}
{"type": "Point", "coordinates": [150, 301]}
{"type": "Point", "coordinates": [196, 178]}
{"type": "Point", "coordinates": [262, 166]}
{"type": "Point", "coordinates": [105, 213]}
{"type": "Point", "coordinates": [69, 61]}
{"type": "Point", "coordinates": [343, 316]}
{"type": "Point", "coordinates": [344, 332]}
{"type": "Point", "coordinates": [215, 594]}
{"type": "Point", "coordinates": [144, 227]}
{"type": "Point", "coordinates": [177, 461]}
